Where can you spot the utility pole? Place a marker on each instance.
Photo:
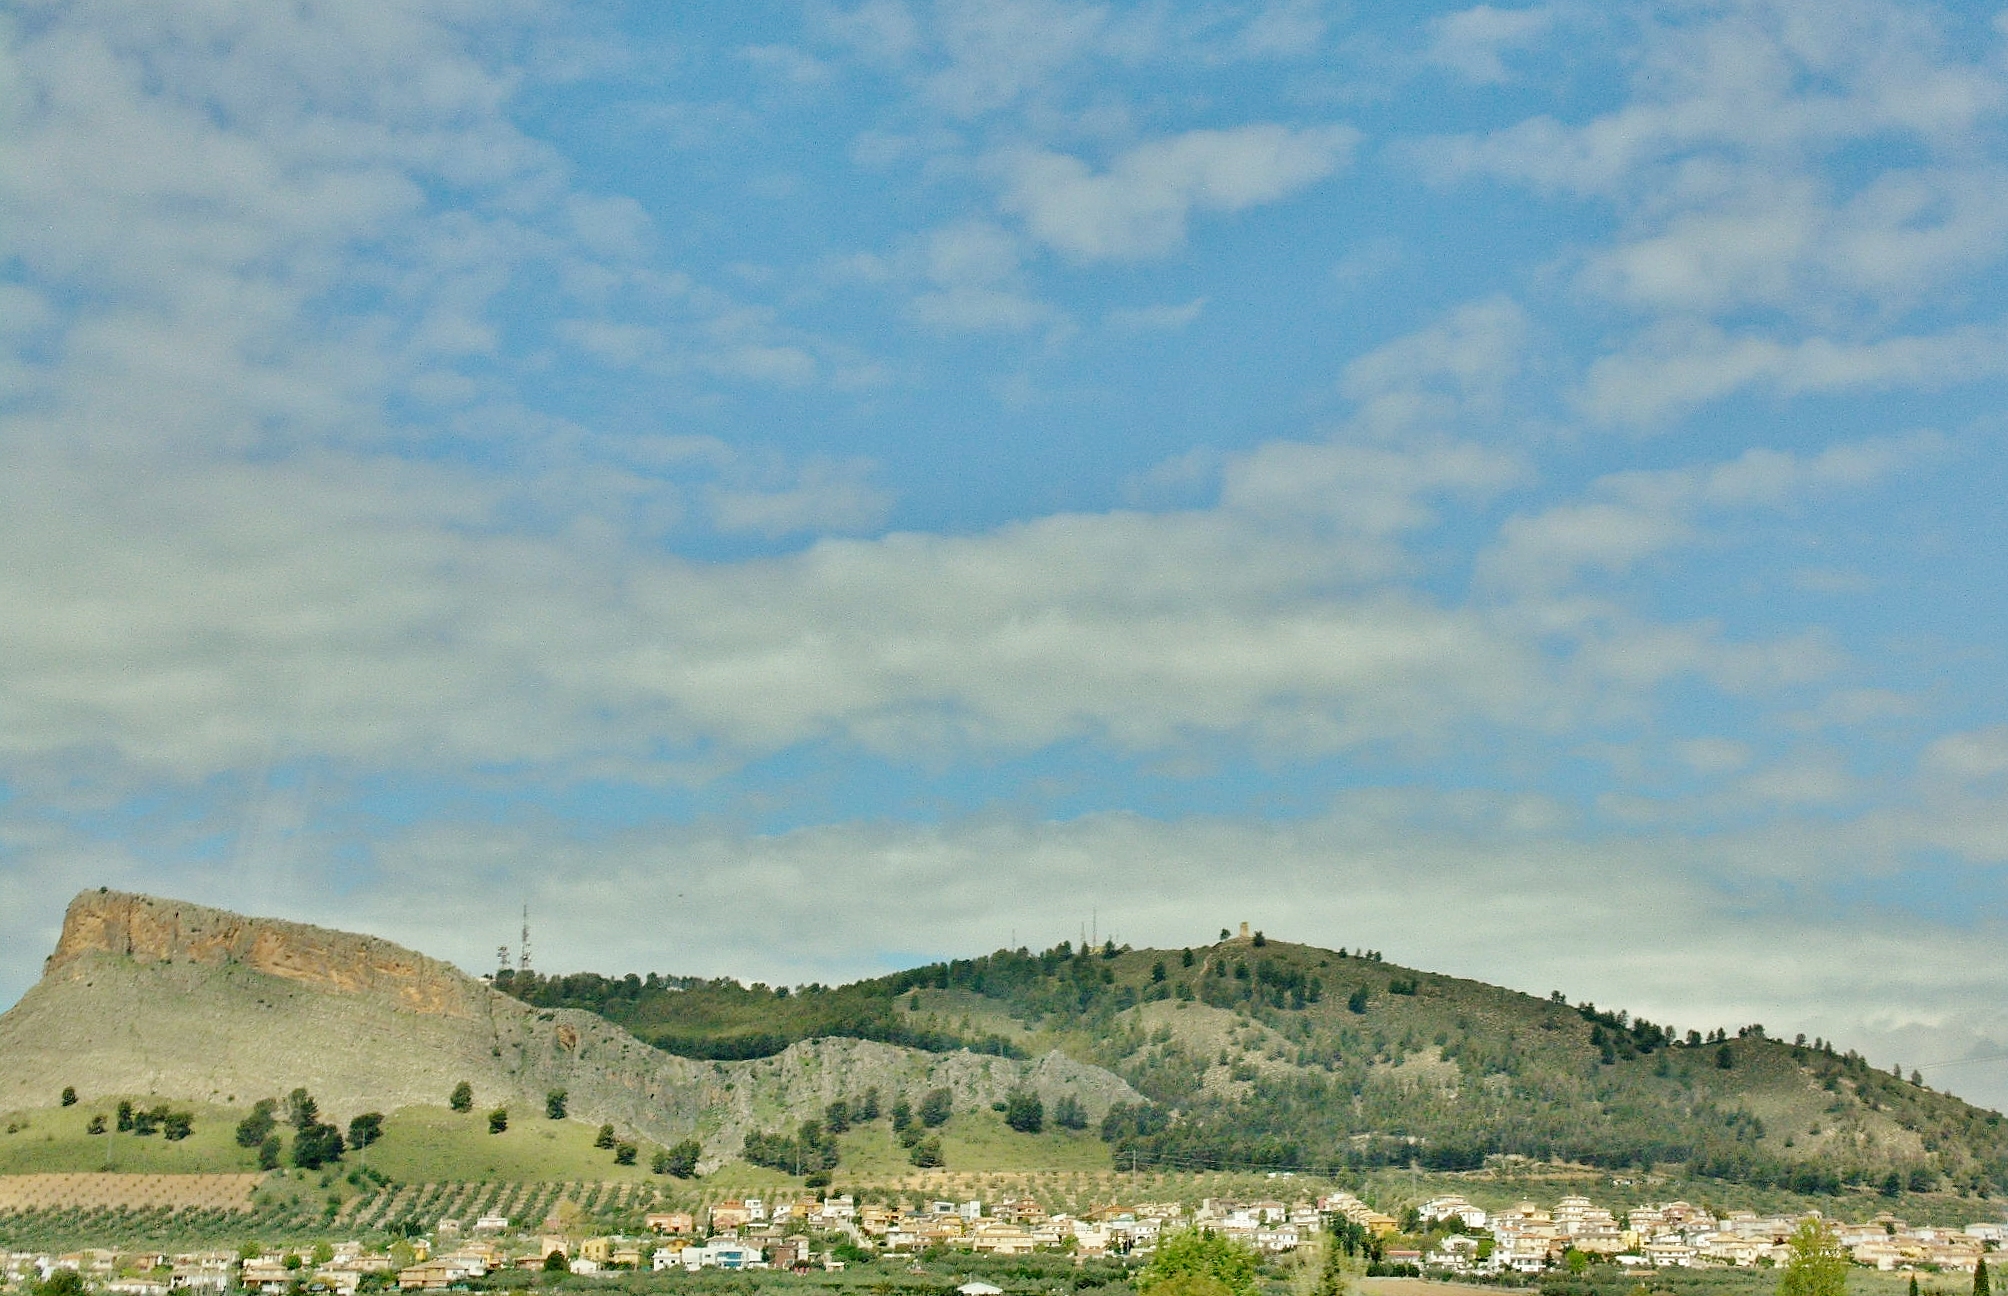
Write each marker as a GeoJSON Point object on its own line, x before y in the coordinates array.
{"type": "Point", "coordinates": [523, 960]}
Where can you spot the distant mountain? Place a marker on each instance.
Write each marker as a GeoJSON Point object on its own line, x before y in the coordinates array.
{"type": "Point", "coordinates": [152, 997]}
{"type": "Point", "coordinates": [1259, 1053]}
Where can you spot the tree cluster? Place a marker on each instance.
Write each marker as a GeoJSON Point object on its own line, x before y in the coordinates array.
{"type": "Point", "coordinates": [147, 1121]}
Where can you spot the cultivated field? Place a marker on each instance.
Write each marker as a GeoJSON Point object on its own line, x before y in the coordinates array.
{"type": "Point", "coordinates": [134, 1192]}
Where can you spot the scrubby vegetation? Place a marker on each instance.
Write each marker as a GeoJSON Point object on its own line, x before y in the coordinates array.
{"type": "Point", "coordinates": [1288, 1057]}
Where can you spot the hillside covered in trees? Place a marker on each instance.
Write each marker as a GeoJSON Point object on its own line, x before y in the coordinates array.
{"type": "Point", "coordinates": [1258, 1053]}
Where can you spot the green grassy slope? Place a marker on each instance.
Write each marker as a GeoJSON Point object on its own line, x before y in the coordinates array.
{"type": "Point", "coordinates": [52, 1140]}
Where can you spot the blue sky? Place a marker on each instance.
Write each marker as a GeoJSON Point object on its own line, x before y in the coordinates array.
{"type": "Point", "coordinates": [788, 490]}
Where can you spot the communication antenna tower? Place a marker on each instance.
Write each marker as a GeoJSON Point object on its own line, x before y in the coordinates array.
{"type": "Point", "coordinates": [502, 957]}
{"type": "Point", "coordinates": [523, 957]}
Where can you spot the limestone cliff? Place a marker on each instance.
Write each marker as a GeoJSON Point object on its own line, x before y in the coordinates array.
{"type": "Point", "coordinates": [145, 996]}
{"type": "Point", "coordinates": [149, 930]}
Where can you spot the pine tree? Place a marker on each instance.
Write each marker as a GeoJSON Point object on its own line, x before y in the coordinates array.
{"type": "Point", "coordinates": [1981, 1287]}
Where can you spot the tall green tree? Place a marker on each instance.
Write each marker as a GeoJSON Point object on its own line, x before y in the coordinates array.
{"type": "Point", "coordinates": [1024, 1112]}
{"type": "Point", "coordinates": [1199, 1262]}
{"type": "Point", "coordinates": [1819, 1264]}
{"type": "Point", "coordinates": [1337, 1274]}
{"type": "Point", "coordinates": [254, 1128]}
{"type": "Point", "coordinates": [1981, 1285]}
{"type": "Point", "coordinates": [462, 1098]}
{"type": "Point", "coordinates": [554, 1105]}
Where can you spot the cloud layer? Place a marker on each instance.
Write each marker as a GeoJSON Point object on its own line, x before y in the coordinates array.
{"type": "Point", "coordinates": [1201, 464]}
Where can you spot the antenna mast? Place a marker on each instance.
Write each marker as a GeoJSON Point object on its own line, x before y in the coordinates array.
{"type": "Point", "coordinates": [523, 960]}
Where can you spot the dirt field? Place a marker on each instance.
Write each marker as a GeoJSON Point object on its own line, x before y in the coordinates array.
{"type": "Point", "coordinates": [1418, 1287]}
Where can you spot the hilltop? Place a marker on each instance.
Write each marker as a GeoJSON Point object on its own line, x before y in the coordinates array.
{"type": "Point", "coordinates": [1261, 1053]}
{"type": "Point", "coordinates": [151, 998]}
{"type": "Point", "coordinates": [1242, 1054]}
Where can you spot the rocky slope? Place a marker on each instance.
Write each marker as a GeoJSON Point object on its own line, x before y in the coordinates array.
{"type": "Point", "coordinates": [145, 996]}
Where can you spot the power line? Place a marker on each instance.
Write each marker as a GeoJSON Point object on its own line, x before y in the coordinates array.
{"type": "Point", "coordinates": [1965, 1061]}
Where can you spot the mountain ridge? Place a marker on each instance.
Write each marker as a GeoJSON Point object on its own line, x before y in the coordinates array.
{"type": "Point", "coordinates": [1243, 1053]}
{"type": "Point", "coordinates": [1259, 1052]}
{"type": "Point", "coordinates": [148, 996]}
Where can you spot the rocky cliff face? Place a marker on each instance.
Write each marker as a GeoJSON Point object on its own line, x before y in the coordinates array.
{"type": "Point", "coordinates": [145, 996]}
{"type": "Point", "coordinates": [150, 930]}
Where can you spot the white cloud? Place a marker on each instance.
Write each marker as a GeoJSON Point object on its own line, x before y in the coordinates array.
{"type": "Point", "coordinates": [1473, 42]}
{"type": "Point", "coordinates": [1680, 366]}
{"type": "Point", "coordinates": [825, 498]}
{"type": "Point", "coordinates": [995, 53]}
{"type": "Point", "coordinates": [975, 280]}
{"type": "Point", "coordinates": [1713, 755]}
{"type": "Point", "coordinates": [1283, 29]}
{"type": "Point", "coordinates": [786, 63]}
{"type": "Point", "coordinates": [1626, 518]}
{"type": "Point", "coordinates": [1139, 207]}
{"type": "Point", "coordinates": [1470, 354]}
{"type": "Point", "coordinates": [1790, 183]}
{"type": "Point", "coordinates": [247, 235]}
{"type": "Point", "coordinates": [1154, 319]}
{"type": "Point", "coordinates": [1370, 491]}
{"type": "Point", "coordinates": [1979, 756]}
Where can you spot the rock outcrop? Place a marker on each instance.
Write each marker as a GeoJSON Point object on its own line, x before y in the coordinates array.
{"type": "Point", "coordinates": [145, 996]}
{"type": "Point", "coordinates": [148, 930]}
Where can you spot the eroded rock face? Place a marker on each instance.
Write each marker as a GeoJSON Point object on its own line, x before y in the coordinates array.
{"type": "Point", "coordinates": [151, 996]}
{"type": "Point", "coordinates": [151, 930]}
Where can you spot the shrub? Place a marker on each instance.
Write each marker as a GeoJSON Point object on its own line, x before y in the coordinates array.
{"type": "Point", "coordinates": [1194, 1260]}
{"type": "Point", "coordinates": [365, 1129]}
{"type": "Point", "coordinates": [1024, 1112]}
{"type": "Point", "coordinates": [462, 1098]}
{"type": "Point", "coordinates": [498, 1120]}
{"type": "Point", "coordinates": [251, 1131]}
{"type": "Point", "coordinates": [680, 1160]}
